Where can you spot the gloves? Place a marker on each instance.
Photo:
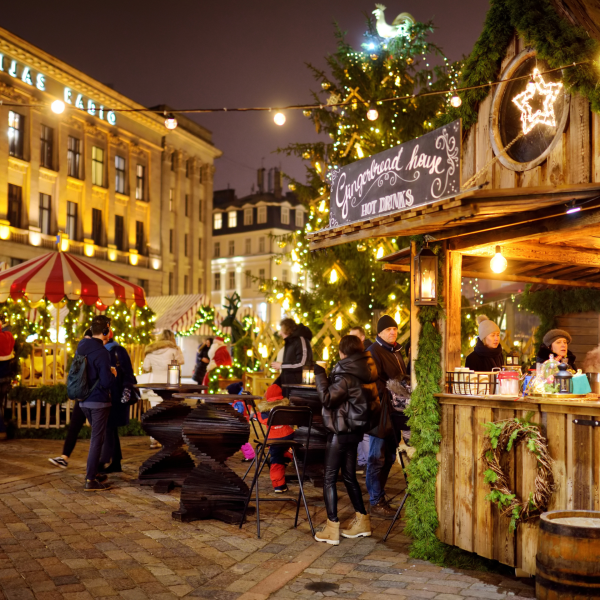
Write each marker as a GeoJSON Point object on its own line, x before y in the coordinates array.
{"type": "Point", "coordinates": [319, 370]}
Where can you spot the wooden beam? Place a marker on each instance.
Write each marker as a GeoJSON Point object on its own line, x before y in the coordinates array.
{"type": "Point", "coordinates": [453, 303]}
{"type": "Point", "coordinates": [400, 268]}
{"type": "Point", "coordinates": [415, 326]}
{"type": "Point", "coordinates": [540, 253]}
{"type": "Point", "coordinates": [525, 279]}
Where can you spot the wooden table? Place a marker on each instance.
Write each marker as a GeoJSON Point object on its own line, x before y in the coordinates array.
{"type": "Point", "coordinates": [213, 432]}
{"type": "Point", "coordinates": [171, 464]}
{"type": "Point", "coordinates": [466, 518]}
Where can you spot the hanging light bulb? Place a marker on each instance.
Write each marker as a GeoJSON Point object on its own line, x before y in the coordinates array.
{"type": "Point", "coordinates": [359, 151]}
{"type": "Point", "coordinates": [372, 113]}
{"type": "Point", "coordinates": [170, 121]}
{"type": "Point", "coordinates": [279, 119]}
{"type": "Point", "coordinates": [58, 107]}
{"type": "Point", "coordinates": [326, 353]}
{"type": "Point", "coordinates": [333, 276]}
{"type": "Point", "coordinates": [397, 316]}
{"type": "Point", "coordinates": [498, 263]}
{"type": "Point", "coordinates": [455, 101]}
{"type": "Point", "coordinates": [379, 252]}
{"type": "Point", "coordinates": [338, 323]}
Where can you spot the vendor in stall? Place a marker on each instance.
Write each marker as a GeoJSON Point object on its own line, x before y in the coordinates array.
{"type": "Point", "coordinates": [487, 354]}
{"type": "Point", "coordinates": [556, 342]}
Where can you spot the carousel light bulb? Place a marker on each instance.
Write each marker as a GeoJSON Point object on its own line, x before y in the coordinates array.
{"type": "Point", "coordinates": [279, 119]}
{"type": "Point", "coordinates": [455, 101]}
{"type": "Point", "coordinates": [58, 107]}
{"type": "Point", "coordinates": [498, 263]}
{"type": "Point", "coordinates": [170, 121]}
{"type": "Point", "coordinates": [338, 323]}
{"type": "Point", "coordinates": [372, 113]}
{"type": "Point", "coordinates": [333, 276]}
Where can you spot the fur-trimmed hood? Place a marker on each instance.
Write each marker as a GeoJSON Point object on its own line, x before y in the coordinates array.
{"type": "Point", "coordinates": [160, 345]}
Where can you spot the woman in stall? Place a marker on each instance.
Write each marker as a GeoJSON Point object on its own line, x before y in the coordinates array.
{"type": "Point", "coordinates": [487, 354]}
{"type": "Point", "coordinates": [556, 342]}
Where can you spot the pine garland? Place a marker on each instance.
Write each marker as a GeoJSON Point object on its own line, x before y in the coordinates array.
{"type": "Point", "coordinates": [556, 41]}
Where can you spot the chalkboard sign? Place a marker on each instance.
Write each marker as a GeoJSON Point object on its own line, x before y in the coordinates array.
{"type": "Point", "coordinates": [418, 172]}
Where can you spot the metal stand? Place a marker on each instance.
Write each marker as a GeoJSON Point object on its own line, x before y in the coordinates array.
{"type": "Point", "coordinates": [401, 503]}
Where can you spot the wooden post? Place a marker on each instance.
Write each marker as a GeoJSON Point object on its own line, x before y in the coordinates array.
{"type": "Point", "coordinates": [452, 298]}
{"type": "Point", "coordinates": [415, 326]}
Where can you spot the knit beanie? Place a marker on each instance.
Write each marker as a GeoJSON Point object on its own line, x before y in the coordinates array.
{"type": "Point", "coordinates": [486, 326]}
{"type": "Point", "coordinates": [385, 322]}
{"type": "Point", "coordinates": [555, 334]}
{"type": "Point", "coordinates": [273, 393]}
{"type": "Point", "coordinates": [235, 388]}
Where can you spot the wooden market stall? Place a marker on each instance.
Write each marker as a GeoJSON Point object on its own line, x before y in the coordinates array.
{"type": "Point", "coordinates": [540, 202]}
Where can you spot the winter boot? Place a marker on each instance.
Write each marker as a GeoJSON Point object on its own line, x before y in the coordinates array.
{"type": "Point", "coordinates": [330, 533]}
{"type": "Point", "coordinates": [359, 527]}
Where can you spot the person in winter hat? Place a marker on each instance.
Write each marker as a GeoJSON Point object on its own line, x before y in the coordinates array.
{"type": "Point", "coordinates": [236, 389]}
{"type": "Point", "coordinates": [160, 354]}
{"type": "Point", "coordinates": [556, 342]}
{"type": "Point", "coordinates": [297, 352]}
{"type": "Point", "coordinates": [487, 353]}
{"type": "Point", "coordinates": [219, 357]}
{"type": "Point", "coordinates": [278, 456]}
{"type": "Point", "coordinates": [202, 360]}
{"type": "Point", "coordinates": [350, 407]}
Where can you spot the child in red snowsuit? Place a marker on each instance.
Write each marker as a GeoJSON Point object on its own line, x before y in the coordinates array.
{"type": "Point", "coordinates": [277, 455]}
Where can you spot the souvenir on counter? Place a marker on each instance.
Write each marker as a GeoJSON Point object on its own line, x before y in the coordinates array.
{"type": "Point", "coordinates": [557, 378]}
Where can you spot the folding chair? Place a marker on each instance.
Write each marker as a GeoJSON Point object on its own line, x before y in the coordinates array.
{"type": "Point", "coordinates": [300, 416]}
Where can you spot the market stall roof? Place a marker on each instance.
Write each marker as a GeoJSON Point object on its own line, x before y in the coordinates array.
{"type": "Point", "coordinates": [59, 275]}
{"type": "Point", "coordinates": [178, 313]}
{"type": "Point", "coordinates": [469, 212]}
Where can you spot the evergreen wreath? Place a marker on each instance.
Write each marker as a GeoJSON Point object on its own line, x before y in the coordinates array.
{"type": "Point", "coordinates": [501, 437]}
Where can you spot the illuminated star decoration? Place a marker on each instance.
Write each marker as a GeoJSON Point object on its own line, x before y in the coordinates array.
{"type": "Point", "coordinates": [550, 92]}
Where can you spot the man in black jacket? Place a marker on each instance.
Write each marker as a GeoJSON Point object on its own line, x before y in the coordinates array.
{"type": "Point", "coordinates": [383, 443]}
{"type": "Point", "coordinates": [96, 407]}
{"type": "Point", "coordinates": [297, 353]}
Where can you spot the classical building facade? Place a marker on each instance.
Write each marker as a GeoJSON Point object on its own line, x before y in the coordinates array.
{"type": "Point", "coordinates": [104, 179]}
{"type": "Point", "coordinates": [246, 247]}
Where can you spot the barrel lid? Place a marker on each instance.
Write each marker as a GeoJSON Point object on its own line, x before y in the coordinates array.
{"type": "Point", "coordinates": [572, 523]}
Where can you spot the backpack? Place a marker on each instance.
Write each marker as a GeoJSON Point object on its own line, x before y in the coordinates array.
{"type": "Point", "coordinates": [78, 387]}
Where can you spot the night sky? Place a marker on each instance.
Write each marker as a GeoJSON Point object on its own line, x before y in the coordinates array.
{"type": "Point", "coordinates": [196, 54]}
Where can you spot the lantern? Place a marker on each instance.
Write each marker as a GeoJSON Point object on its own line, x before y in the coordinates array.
{"type": "Point", "coordinates": [425, 277]}
{"type": "Point", "coordinates": [564, 379]}
{"type": "Point", "coordinates": [173, 373]}
{"type": "Point", "coordinates": [513, 358]}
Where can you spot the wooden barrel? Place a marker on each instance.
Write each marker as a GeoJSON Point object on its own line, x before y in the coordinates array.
{"type": "Point", "coordinates": [568, 558]}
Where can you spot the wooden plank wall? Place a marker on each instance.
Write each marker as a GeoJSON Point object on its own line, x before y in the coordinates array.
{"type": "Point", "coordinates": [585, 331]}
{"type": "Point", "coordinates": [467, 519]}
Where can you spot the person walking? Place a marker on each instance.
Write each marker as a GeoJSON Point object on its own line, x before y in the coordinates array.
{"type": "Point", "coordinates": [202, 361]}
{"type": "Point", "coordinates": [383, 443]}
{"type": "Point", "coordinates": [120, 392]}
{"type": "Point", "coordinates": [297, 352]}
{"type": "Point", "coordinates": [159, 355]}
{"type": "Point", "coordinates": [96, 407]}
{"type": "Point", "coordinates": [350, 407]}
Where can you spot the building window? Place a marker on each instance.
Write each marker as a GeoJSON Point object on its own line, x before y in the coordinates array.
{"type": "Point", "coordinates": [16, 133]}
{"type": "Point", "coordinates": [217, 285]}
{"type": "Point", "coordinates": [140, 182]}
{"type": "Point", "coordinates": [187, 205]}
{"type": "Point", "coordinates": [200, 175]}
{"type": "Point", "coordinates": [232, 218]}
{"type": "Point", "coordinates": [171, 241]}
{"type": "Point", "coordinates": [15, 204]}
{"type": "Point", "coordinates": [299, 218]}
{"type": "Point", "coordinates": [46, 139]}
{"type": "Point", "coordinates": [97, 226]}
{"type": "Point", "coordinates": [231, 280]}
{"type": "Point", "coordinates": [217, 252]}
{"type": "Point", "coordinates": [285, 215]}
{"type": "Point", "coordinates": [231, 248]}
{"type": "Point", "coordinates": [172, 200]}
{"type": "Point", "coordinates": [200, 249]}
{"type": "Point", "coordinates": [248, 246]}
{"type": "Point", "coordinates": [97, 166]}
{"type": "Point", "coordinates": [261, 274]}
{"type": "Point", "coordinates": [119, 175]}
{"type": "Point", "coordinates": [185, 244]}
{"type": "Point", "coordinates": [171, 284]}
{"type": "Point", "coordinates": [248, 213]}
{"type": "Point", "coordinates": [284, 275]}
{"type": "Point", "coordinates": [261, 245]}
{"type": "Point", "coordinates": [72, 220]}
{"type": "Point", "coordinates": [248, 283]}
{"type": "Point", "coordinates": [185, 284]}
{"type": "Point", "coordinates": [119, 232]}
{"type": "Point", "coordinates": [262, 214]}
{"type": "Point", "coordinates": [45, 213]}
{"type": "Point", "coordinates": [218, 221]}
{"type": "Point", "coordinates": [73, 156]}
{"type": "Point", "coordinates": [140, 244]}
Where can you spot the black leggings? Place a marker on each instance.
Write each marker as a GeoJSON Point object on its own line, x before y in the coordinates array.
{"type": "Point", "coordinates": [340, 453]}
{"type": "Point", "coordinates": [77, 422]}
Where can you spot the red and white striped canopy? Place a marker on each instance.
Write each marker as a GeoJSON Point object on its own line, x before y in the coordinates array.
{"type": "Point", "coordinates": [57, 275]}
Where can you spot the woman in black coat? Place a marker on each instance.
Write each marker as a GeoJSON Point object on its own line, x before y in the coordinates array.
{"type": "Point", "coordinates": [487, 354]}
{"type": "Point", "coordinates": [556, 342]}
{"type": "Point", "coordinates": [202, 360]}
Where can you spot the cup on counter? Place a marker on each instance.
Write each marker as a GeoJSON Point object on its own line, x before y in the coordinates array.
{"type": "Point", "coordinates": [461, 381]}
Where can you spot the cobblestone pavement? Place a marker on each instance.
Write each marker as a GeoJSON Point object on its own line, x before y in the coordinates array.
{"type": "Point", "coordinates": [58, 543]}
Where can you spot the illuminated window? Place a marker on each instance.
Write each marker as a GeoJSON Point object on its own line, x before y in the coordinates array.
{"type": "Point", "coordinates": [46, 146]}
{"type": "Point", "coordinates": [232, 218]}
{"type": "Point", "coordinates": [248, 216]}
{"type": "Point", "coordinates": [299, 218]}
{"type": "Point", "coordinates": [218, 221]}
{"type": "Point", "coordinates": [16, 127]}
{"type": "Point", "coordinates": [248, 282]}
{"type": "Point", "coordinates": [97, 226]}
{"type": "Point", "coordinates": [217, 252]}
{"type": "Point", "coordinates": [140, 182]}
{"type": "Point", "coordinates": [119, 232]}
{"type": "Point", "coordinates": [15, 204]}
{"type": "Point", "coordinates": [248, 246]}
{"type": "Point", "coordinates": [262, 214]}
{"type": "Point", "coordinates": [45, 213]}
{"type": "Point", "coordinates": [119, 175]}
{"type": "Point", "coordinates": [73, 156]}
{"type": "Point", "coordinates": [285, 215]}
{"type": "Point", "coordinates": [72, 220]}
{"type": "Point", "coordinates": [261, 245]}
{"type": "Point", "coordinates": [217, 282]}
{"type": "Point", "coordinates": [140, 244]}
{"type": "Point", "coordinates": [231, 248]}
{"type": "Point", "coordinates": [97, 166]}
{"type": "Point", "coordinates": [231, 280]}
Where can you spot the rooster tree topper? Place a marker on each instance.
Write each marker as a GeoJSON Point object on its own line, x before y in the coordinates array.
{"type": "Point", "coordinates": [399, 27]}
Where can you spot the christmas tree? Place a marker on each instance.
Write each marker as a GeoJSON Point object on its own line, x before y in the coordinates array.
{"type": "Point", "coordinates": [360, 112]}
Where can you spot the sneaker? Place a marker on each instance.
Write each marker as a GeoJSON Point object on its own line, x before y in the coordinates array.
{"type": "Point", "coordinates": [93, 485]}
{"type": "Point", "coordinates": [101, 477]}
{"type": "Point", "coordinates": [247, 459]}
{"type": "Point", "coordinates": [359, 527]}
{"type": "Point", "coordinates": [281, 489]}
{"type": "Point", "coordinates": [59, 461]}
{"type": "Point", "coordinates": [155, 446]}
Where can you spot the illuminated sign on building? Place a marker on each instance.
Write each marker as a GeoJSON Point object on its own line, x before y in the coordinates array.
{"type": "Point", "coordinates": [22, 72]}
